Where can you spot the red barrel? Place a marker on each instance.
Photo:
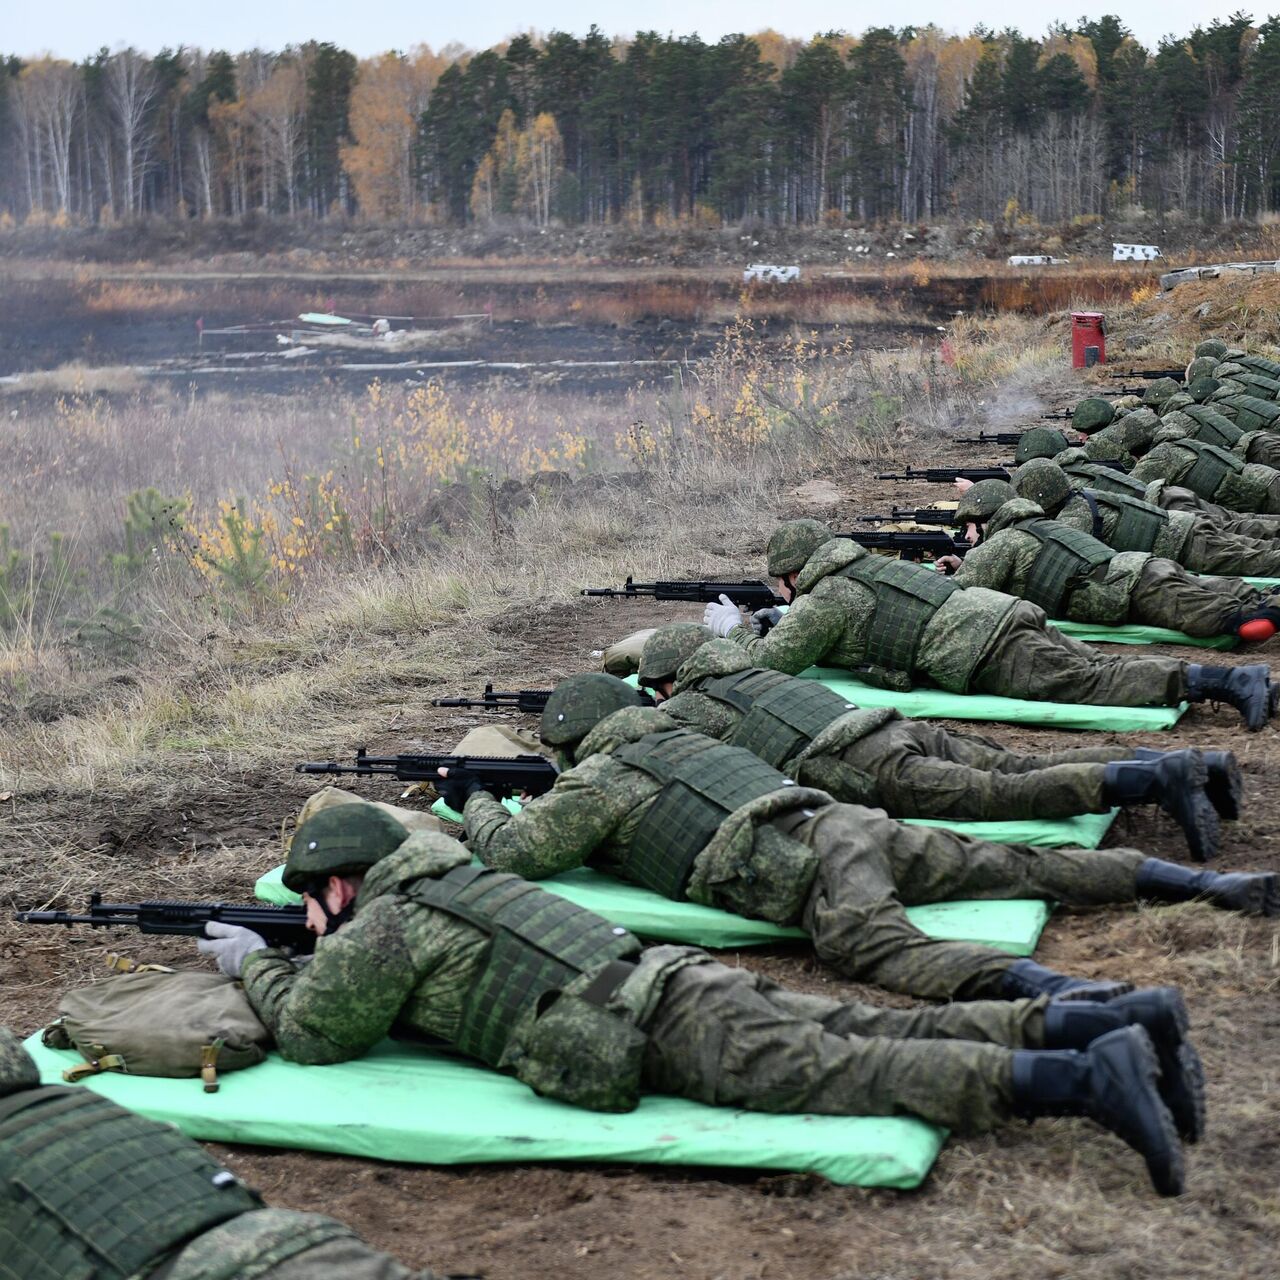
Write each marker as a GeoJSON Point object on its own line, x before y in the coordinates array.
{"type": "Point", "coordinates": [1088, 339]}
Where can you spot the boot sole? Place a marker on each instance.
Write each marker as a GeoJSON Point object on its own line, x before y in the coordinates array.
{"type": "Point", "coordinates": [1225, 788]}
{"type": "Point", "coordinates": [1192, 810]}
{"type": "Point", "coordinates": [1260, 896]}
{"type": "Point", "coordinates": [1167, 1172]}
{"type": "Point", "coordinates": [1182, 1088]}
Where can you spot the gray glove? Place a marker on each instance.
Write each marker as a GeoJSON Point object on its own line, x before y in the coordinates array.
{"type": "Point", "coordinates": [764, 620]}
{"type": "Point", "coordinates": [722, 617]}
{"type": "Point", "coordinates": [229, 944]}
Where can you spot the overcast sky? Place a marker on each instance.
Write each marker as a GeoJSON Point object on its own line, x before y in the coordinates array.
{"type": "Point", "coordinates": [76, 28]}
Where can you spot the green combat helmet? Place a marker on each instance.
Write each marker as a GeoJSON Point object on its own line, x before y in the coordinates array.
{"type": "Point", "coordinates": [1040, 442]}
{"type": "Point", "coordinates": [338, 842]}
{"type": "Point", "coordinates": [1159, 391]}
{"type": "Point", "coordinates": [668, 649]}
{"type": "Point", "coordinates": [1042, 482]}
{"type": "Point", "coordinates": [1214, 347]}
{"type": "Point", "coordinates": [1201, 367]}
{"type": "Point", "coordinates": [1093, 414]}
{"type": "Point", "coordinates": [578, 704]}
{"type": "Point", "coordinates": [17, 1067]}
{"type": "Point", "coordinates": [793, 543]}
{"type": "Point", "coordinates": [1202, 388]}
{"type": "Point", "coordinates": [981, 501]}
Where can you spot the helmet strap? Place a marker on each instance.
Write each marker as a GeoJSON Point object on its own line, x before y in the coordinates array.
{"type": "Point", "coordinates": [334, 920]}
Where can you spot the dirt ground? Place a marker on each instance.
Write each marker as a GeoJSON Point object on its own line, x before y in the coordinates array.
{"type": "Point", "coordinates": [1057, 1199]}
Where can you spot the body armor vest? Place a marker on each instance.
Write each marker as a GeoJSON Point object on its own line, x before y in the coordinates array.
{"type": "Point", "coordinates": [1257, 384]}
{"type": "Point", "coordinates": [1212, 427]}
{"type": "Point", "coordinates": [907, 597]}
{"type": "Point", "coordinates": [1259, 364]}
{"type": "Point", "coordinates": [1138, 524]}
{"type": "Point", "coordinates": [93, 1192]}
{"type": "Point", "coordinates": [703, 782]}
{"type": "Point", "coordinates": [781, 714]}
{"type": "Point", "coordinates": [538, 942]}
{"type": "Point", "coordinates": [1211, 467]}
{"type": "Point", "coordinates": [1105, 479]}
{"type": "Point", "coordinates": [1065, 558]}
{"type": "Point", "coordinates": [1251, 413]}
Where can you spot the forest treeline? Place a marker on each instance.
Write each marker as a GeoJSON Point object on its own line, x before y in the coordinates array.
{"type": "Point", "coordinates": [910, 124]}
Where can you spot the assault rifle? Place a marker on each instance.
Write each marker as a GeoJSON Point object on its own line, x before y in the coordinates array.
{"type": "Point", "coordinates": [499, 775]}
{"type": "Point", "coordinates": [947, 475]}
{"type": "Point", "coordinates": [750, 593]}
{"type": "Point", "coordinates": [916, 515]}
{"type": "Point", "coordinates": [534, 700]}
{"type": "Point", "coordinates": [1150, 374]}
{"type": "Point", "coordinates": [911, 546]}
{"type": "Point", "coordinates": [1005, 438]}
{"type": "Point", "coordinates": [280, 926]}
{"type": "Point", "coordinates": [500, 700]}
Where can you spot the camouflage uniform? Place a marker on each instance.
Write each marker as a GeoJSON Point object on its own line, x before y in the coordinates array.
{"type": "Point", "coordinates": [845, 873]}
{"type": "Point", "coordinates": [1194, 539]}
{"type": "Point", "coordinates": [979, 642]}
{"type": "Point", "coordinates": [910, 768]}
{"type": "Point", "coordinates": [159, 1200]}
{"type": "Point", "coordinates": [1252, 489]}
{"type": "Point", "coordinates": [1132, 587]}
{"type": "Point", "coordinates": [715, 1034]}
{"type": "Point", "coordinates": [1203, 422]}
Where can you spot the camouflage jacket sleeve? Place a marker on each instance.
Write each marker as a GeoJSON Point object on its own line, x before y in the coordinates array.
{"type": "Point", "coordinates": [991, 564]}
{"type": "Point", "coordinates": [1077, 513]}
{"type": "Point", "coordinates": [556, 832]}
{"type": "Point", "coordinates": [810, 629]}
{"type": "Point", "coordinates": [694, 710]}
{"type": "Point", "coordinates": [345, 999]}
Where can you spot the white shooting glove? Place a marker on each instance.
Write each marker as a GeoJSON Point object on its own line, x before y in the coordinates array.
{"type": "Point", "coordinates": [722, 617]}
{"type": "Point", "coordinates": [229, 944]}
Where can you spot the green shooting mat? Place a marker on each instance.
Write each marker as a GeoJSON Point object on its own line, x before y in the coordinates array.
{"type": "Point", "coordinates": [937, 704]}
{"type": "Point", "coordinates": [408, 1103]}
{"type": "Point", "coordinates": [1012, 926]}
{"type": "Point", "coordinates": [1091, 633]}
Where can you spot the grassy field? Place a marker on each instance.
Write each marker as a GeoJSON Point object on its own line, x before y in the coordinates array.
{"type": "Point", "coordinates": [157, 761]}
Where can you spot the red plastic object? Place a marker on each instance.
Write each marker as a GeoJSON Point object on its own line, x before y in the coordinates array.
{"type": "Point", "coordinates": [1088, 339]}
{"type": "Point", "coordinates": [1257, 631]}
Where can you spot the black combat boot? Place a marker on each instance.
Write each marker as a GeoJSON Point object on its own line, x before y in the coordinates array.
{"type": "Point", "coordinates": [1225, 787]}
{"type": "Point", "coordinates": [1114, 1083]}
{"type": "Point", "coordinates": [1024, 979]}
{"type": "Point", "coordinates": [1252, 893]}
{"type": "Point", "coordinates": [1162, 1014]}
{"type": "Point", "coordinates": [1248, 689]}
{"type": "Point", "coordinates": [1176, 782]}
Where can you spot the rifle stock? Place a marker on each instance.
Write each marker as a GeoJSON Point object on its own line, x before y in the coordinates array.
{"type": "Point", "coordinates": [532, 700]}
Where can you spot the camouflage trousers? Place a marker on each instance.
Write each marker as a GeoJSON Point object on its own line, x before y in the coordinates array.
{"type": "Point", "coordinates": [279, 1244]}
{"type": "Point", "coordinates": [1033, 660]}
{"type": "Point", "coordinates": [1265, 449]}
{"type": "Point", "coordinates": [870, 869]}
{"type": "Point", "coordinates": [731, 1038]}
{"type": "Point", "coordinates": [921, 771]}
{"type": "Point", "coordinates": [1264, 528]}
{"type": "Point", "coordinates": [1212, 549]}
{"type": "Point", "coordinates": [1167, 595]}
